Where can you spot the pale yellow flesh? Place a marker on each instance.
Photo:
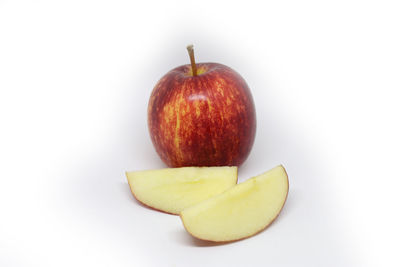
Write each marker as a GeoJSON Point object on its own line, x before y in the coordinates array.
{"type": "Point", "coordinates": [173, 189]}
{"type": "Point", "coordinates": [241, 211]}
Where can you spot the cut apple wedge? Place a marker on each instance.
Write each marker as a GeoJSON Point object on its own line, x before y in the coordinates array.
{"type": "Point", "coordinates": [241, 211]}
{"type": "Point", "coordinates": [173, 189]}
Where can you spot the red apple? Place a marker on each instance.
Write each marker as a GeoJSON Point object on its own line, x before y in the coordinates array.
{"type": "Point", "coordinates": [202, 115]}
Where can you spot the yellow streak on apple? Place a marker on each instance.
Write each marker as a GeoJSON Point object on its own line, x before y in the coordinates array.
{"type": "Point", "coordinates": [219, 87]}
{"type": "Point", "coordinates": [180, 102]}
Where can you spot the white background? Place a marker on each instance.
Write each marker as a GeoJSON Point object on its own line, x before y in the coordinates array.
{"type": "Point", "coordinates": [75, 78]}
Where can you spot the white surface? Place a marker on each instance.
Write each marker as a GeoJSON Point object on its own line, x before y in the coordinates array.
{"type": "Point", "coordinates": [75, 77]}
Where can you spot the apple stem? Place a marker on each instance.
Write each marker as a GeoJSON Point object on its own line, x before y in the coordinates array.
{"type": "Point", "coordinates": [192, 61]}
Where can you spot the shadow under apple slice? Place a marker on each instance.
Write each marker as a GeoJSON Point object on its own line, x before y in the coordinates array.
{"type": "Point", "coordinates": [184, 238]}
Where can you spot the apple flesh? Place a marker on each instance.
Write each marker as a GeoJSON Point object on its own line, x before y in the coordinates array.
{"type": "Point", "coordinates": [173, 189]}
{"type": "Point", "coordinates": [207, 119]}
{"type": "Point", "coordinates": [241, 211]}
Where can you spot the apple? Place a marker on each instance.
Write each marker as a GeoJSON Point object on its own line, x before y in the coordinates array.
{"type": "Point", "coordinates": [173, 189]}
{"type": "Point", "coordinates": [241, 211]}
{"type": "Point", "coordinates": [202, 115]}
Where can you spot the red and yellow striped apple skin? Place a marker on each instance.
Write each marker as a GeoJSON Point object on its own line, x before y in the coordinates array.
{"type": "Point", "coordinates": [204, 120]}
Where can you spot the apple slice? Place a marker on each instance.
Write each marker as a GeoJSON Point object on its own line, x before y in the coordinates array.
{"type": "Point", "coordinates": [241, 211]}
{"type": "Point", "coordinates": [173, 189]}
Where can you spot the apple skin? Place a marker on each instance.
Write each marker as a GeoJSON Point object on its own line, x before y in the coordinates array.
{"type": "Point", "coordinates": [203, 120]}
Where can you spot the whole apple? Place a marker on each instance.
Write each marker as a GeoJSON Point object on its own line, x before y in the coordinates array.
{"type": "Point", "coordinates": [202, 115]}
